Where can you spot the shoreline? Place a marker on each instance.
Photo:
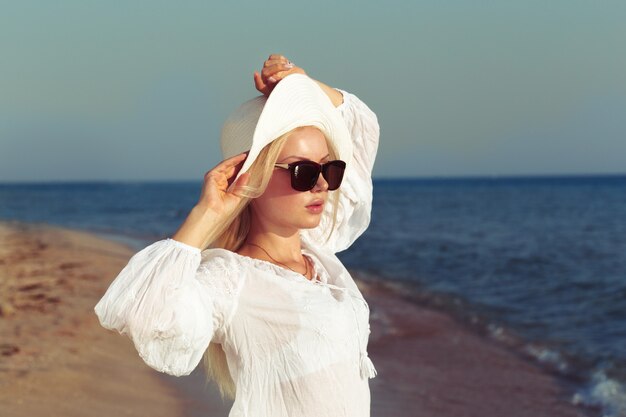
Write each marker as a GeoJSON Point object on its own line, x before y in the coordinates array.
{"type": "Point", "coordinates": [431, 360]}
{"type": "Point", "coordinates": [428, 364]}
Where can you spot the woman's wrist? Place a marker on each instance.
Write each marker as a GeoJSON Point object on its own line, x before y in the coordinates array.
{"type": "Point", "coordinates": [197, 226]}
{"type": "Point", "coordinates": [335, 96]}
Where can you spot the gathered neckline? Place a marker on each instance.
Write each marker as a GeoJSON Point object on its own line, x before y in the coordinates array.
{"type": "Point", "coordinates": [304, 251]}
{"type": "Point", "coordinates": [295, 275]}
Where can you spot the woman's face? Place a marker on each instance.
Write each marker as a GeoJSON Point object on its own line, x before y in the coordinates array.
{"type": "Point", "coordinates": [281, 208]}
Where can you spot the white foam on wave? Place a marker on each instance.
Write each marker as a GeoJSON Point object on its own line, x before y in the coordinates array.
{"type": "Point", "coordinates": [604, 392]}
{"type": "Point", "coordinates": [502, 335]}
{"type": "Point", "coordinates": [548, 357]}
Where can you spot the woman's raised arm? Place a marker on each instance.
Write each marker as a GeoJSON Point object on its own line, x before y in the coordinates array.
{"type": "Point", "coordinates": [277, 67]}
{"type": "Point", "coordinates": [357, 188]}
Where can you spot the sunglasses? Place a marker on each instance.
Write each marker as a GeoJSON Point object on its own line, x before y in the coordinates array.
{"type": "Point", "coordinates": [304, 174]}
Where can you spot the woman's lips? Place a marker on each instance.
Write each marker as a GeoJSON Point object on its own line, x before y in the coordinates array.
{"type": "Point", "coordinates": [315, 208]}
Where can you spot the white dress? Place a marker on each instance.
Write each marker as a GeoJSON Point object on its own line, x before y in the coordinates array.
{"type": "Point", "coordinates": [295, 347]}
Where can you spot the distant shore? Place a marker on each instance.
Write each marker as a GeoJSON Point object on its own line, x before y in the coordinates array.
{"type": "Point", "coordinates": [58, 360]}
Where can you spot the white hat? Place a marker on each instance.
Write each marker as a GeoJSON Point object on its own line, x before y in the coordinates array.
{"type": "Point", "coordinates": [296, 101]}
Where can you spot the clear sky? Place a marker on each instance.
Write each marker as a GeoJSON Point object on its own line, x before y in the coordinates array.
{"type": "Point", "coordinates": [138, 90]}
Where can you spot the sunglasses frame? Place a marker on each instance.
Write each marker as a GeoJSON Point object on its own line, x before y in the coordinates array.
{"type": "Point", "coordinates": [321, 170]}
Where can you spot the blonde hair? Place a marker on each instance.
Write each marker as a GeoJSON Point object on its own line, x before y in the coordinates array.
{"type": "Point", "coordinates": [233, 232]}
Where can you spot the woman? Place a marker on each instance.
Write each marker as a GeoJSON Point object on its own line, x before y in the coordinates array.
{"type": "Point", "coordinates": [250, 281]}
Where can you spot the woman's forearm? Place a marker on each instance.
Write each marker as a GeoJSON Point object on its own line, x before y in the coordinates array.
{"type": "Point", "coordinates": [335, 96]}
{"type": "Point", "coordinates": [196, 228]}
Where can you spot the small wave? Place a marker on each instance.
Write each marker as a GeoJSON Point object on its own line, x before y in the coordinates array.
{"type": "Point", "coordinates": [503, 335]}
{"type": "Point", "coordinates": [604, 392]}
{"type": "Point", "coordinates": [548, 358]}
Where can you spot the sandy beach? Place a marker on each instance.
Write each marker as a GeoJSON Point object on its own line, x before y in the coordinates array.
{"type": "Point", "coordinates": [57, 360]}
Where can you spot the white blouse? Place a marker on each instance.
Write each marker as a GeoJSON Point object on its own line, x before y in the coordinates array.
{"type": "Point", "coordinates": [294, 347]}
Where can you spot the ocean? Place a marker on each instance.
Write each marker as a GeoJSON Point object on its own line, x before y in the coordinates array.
{"type": "Point", "coordinates": [535, 263]}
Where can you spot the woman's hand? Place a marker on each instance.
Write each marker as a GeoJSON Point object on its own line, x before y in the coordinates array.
{"type": "Point", "coordinates": [275, 68]}
{"type": "Point", "coordinates": [214, 195]}
{"type": "Point", "coordinates": [216, 204]}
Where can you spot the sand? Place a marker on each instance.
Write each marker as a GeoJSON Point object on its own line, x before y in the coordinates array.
{"type": "Point", "coordinates": [55, 358]}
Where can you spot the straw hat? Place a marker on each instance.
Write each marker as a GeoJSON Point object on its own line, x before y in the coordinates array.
{"type": "Point", "coordinates": [296, 101]}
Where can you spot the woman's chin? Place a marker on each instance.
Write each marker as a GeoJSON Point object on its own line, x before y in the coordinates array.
{"type": "Point", "coordinates": [312, 223]}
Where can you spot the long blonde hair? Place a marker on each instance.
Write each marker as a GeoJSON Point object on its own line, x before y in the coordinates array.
{"type": "Point", "coordinates": [231, 235]}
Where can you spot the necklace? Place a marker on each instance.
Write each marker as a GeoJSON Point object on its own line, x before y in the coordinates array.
{"type": "Point", "coordinates": [306, 263]}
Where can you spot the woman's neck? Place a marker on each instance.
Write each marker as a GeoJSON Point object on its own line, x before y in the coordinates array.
{"type": "Point", "coordinates": [273, 247]}
{"type": "Point", "coordinates": [276, 243]}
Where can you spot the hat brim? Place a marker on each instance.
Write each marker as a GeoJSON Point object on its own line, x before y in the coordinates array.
{"type": "Point", "coordinates": [298, 101]}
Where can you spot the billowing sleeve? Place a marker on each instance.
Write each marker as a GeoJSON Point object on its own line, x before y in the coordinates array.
{"type": "Point", "coordinates": [356, 191]}
{"type": "Point", "coordinates": [170, 303]}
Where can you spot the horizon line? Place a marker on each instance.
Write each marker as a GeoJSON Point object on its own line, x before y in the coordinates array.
{"type": "Point", "coordinates": [374, 179]}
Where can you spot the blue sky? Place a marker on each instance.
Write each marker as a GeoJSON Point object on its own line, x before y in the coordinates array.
{"type": "Point", "coordinates": [139, 90]}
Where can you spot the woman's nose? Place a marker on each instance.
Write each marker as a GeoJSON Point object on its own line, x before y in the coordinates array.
{"type": "Point", "coordinates": [321, 184]}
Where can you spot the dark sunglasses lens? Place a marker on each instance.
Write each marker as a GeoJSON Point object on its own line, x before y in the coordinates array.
{"type": "Point", "coordinates": [333, 174]}
{"type": "Point", "coordinates": [305, 176]}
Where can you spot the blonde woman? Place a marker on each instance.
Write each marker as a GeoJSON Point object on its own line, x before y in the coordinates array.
{"type": "Point", "coordinates": [250, 283]}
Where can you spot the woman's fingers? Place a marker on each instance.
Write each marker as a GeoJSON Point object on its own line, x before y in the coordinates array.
{"type": "Point", "coordinates": [214, 191]}
{"type": "Point", "coordinates": [261, 85]}
{"type": "Point", "coordinates": [274, 58]}
{"type": "Point", "coordinates": [215, 194]}
{"type": "Point", "coordinates": [231, 162]}
{"type": "Point", "coordinates": [275, 68]}
{"type": "Point", "coordinates": [221, 175]}
{"type": "Point", "coordinates": [230, 176]}
{"type": "Point", "coordinates": [268, 73]}
{"type": "Point", "coordinates": [241, 181]}
{"type": "Point", "coordinates": [276, 77]}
